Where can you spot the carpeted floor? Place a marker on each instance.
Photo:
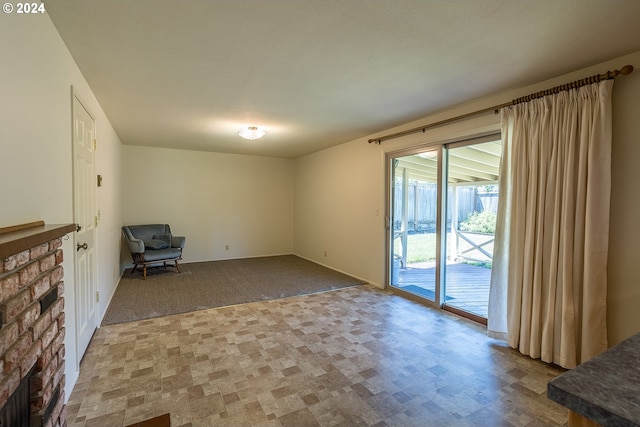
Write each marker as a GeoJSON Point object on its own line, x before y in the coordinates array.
{"type": "Point", "coordinates": [218, 283]}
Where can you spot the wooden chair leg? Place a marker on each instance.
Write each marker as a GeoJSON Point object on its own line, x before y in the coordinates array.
{"type": "Point", "coordinates": [177, 268]}
{"type": "Point", "coordinates": [144, 272]}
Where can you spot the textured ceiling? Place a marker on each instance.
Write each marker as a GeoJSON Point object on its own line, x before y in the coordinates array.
{"type": "Point", "coordinates": [315, 73]}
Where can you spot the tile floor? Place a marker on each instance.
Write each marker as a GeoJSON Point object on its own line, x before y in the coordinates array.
{"type": "Point", "coordinates": [352, 357]}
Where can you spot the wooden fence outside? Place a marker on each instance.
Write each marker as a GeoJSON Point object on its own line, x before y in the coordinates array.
{"type": "Point", "coordinates": [422, 205]}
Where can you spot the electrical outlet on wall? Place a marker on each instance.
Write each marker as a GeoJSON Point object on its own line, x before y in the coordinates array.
{"type": "Point", "coordinates": [226, 247]}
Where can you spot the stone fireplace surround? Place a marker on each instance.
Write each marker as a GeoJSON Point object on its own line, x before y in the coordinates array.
{"type": "Point", "coordinates": [32, 319]}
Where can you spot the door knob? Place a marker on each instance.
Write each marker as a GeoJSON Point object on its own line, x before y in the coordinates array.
{"type": "Point", "coordinates": [81, 246]}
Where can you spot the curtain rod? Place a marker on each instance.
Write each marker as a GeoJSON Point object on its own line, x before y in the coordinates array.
{"type": "Point", "coordinates": [627, 69]}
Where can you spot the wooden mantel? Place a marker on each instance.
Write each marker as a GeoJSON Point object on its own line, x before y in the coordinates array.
{"type": "Point", "coordinates": [18, 238]}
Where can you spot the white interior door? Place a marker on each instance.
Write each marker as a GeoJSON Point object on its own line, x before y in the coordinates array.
{"type": "Point", "coordinates": [84, 200]}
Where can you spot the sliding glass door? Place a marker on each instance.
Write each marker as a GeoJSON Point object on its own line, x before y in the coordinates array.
{"type": "Point", "coordinates": [442, 206]}
{"type": "Point", "coordinates": [414, 223]}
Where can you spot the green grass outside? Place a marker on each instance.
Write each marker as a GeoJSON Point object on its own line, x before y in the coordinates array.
{"type": "Point", "coordinates": [421, 247]}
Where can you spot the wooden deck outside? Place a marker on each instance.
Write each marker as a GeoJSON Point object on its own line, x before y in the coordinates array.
{"type": "Point", "coordinates": [467, 286]}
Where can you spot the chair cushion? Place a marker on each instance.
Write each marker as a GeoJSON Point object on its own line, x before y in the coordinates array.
{"type": "Point", "coordinates": [155, 244]}
{"type": "Point", "coordinates": [162, 254]}
{"type": "Point", "coordinates": [147, 231]}
{"type": "Point", "coordinates": [163, 237]}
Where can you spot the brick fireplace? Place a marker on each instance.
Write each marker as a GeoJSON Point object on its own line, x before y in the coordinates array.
{"type": "Point", "coordinates": [32, 325]}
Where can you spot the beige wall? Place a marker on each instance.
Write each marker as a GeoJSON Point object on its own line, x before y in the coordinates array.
{"type": "Point", "coordinates": [340, 193]}
{"type": "Point", "coordinates": [36, 76]}
{"type": "Point", "coordinates": [623, 301]}
{"type": "Point", "coordinates": [213, 199]}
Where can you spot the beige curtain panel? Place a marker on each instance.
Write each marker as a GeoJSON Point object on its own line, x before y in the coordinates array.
{"type": "Point", "coordinates": [549, 282]}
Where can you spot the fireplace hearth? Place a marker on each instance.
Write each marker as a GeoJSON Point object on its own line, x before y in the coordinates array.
{"type": "Point", "coordinates": [32, 325]}
{"type": "Point", "coordinates": [17, 410]}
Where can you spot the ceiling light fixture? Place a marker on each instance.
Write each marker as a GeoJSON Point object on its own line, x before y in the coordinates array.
{"type": "Point", "coordinates": [251, 133]}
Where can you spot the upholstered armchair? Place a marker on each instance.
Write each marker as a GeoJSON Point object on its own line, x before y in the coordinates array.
{"type": "Point", "coordinates": [153, 244]}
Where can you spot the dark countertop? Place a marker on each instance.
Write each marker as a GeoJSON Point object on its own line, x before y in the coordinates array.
{"type": "Point", "coordinates": [605, 389]}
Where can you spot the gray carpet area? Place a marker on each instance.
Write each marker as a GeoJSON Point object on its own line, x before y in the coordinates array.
{"type": "Point", "coordinates": [217, 284]}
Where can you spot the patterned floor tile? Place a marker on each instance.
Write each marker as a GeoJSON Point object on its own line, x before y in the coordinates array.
{"type": "Point", "coordinates": [352, 357]}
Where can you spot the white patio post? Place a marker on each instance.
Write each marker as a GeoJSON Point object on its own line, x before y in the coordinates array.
{"type": "Point", "coordinates": [405, 214]}
{"type": "Point", "coordinates": [454, 222]}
